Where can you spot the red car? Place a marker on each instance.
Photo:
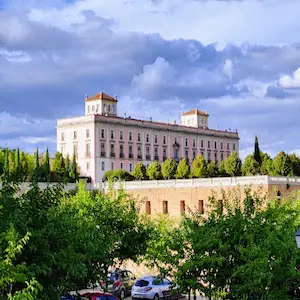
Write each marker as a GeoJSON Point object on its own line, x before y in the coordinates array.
{"type": "Point", "coordinates": [98, 296]}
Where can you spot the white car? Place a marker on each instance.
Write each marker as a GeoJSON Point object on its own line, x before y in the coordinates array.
{"type": "Point", "coordinates": [150, 287]}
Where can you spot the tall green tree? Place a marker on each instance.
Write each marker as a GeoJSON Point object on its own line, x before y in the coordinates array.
{"type": "Point", "coordinates": [295, 162]}
{"type": "Point", "coordinates": [46, 166]}
{"type": "Point", "coordinates": [233, 164]}
{"type": "Point", "coordinates": [199, 167]}
{"type": "Point", "coordinates": [67, 167]}
{"type": "Point", "coordinates": [222, 171]}
{"type": "Point", "coordinates": [73, 169]}
{"type": "Point", "coordinates": [213, 169]}
{"type": "Point", "coordinates": [140, 172]}
{"type": "Point", "coordinates": [250, 166]}
{"type": "Point", "coordinates": [257, 153]}
{"type": "Point", "coordinates": [168, 169]}
{"type": "Point", "coordinates": [282, 165]}
{"type": "Point", "coordinates": [183, 169]}
{"type": "Point", "coordinates": [36, 176]}
{"type": "Point", "coordinates": [266, 165]}
{"type": "Point", "coordinates": [24, 166]}
{"type": "Point", "coordinates": [6, 171]}
{"type": "Point", "coordinates": [154, 171]}
{"type": "Point", "coordinates": [18, 167]}
{"type": "Point", "coordinates": [59, 167]}
{"type": "Point", "coordinates": [12, 165]}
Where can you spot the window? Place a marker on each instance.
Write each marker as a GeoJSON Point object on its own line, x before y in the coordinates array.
{"type": "Point", "coordinates": [121, 151]}
{"type": "Point", "coordinates": [202, 143]}
{"type": "Point", "coordinates": [194, 154]}
{"type": "Point", "coordinates": [202, 153]}
{"type": "Point", "coordinates": [155, 153]}
{"type": "Point", "coordinates": [208, 157]}
{"type": "Point", "coordinates": [62, 137]}
{"type": "Point", "coordinates": [108, 108]}
{"type": "Point", "coordinates": [222, 156]}
{"type": "Point", "coordinates": [112, 134]}
{"type": "Point", "coordinates": [112, 149]}
{"type": "Point", "coordinates": [147, 138]}
{"type": "Point", "coordinates": [93, 108]}
{"type": "Point", "coordinates": [186, 142]}
{"type": "Point", "coordinates": [208, 144]}
{"type": "Point", "coordinates": [148, 208]}
{"type": "Point", "coordinates": [227, 146]}
{"type": "Point", "coordinates": [164, 140]}
{"type": "Point", "coordinates": [62, 149]}
{"type": "Point", "coordinates": [187, 154]}
{"type": "Point", "coordinates": [102, 149]}
{"type": "Point", "coordinates": [97, 107]}
{"type": "Point", "coordinates": [103, 166]}
{"type": "Point", "coordinates": [165, 207]}
{"type": "Point", "coordinates": [75, 150]}
{"type": "Point", "coordinates": [233, 147]}
{"type": "Point", "coordinates": [130, 136]}
{"type": "Point", "coordinates": [121, 135]}
{"type": "Point", "coordinates": [102, 134]}
{"type": "Point", "coordinates": [130, 167]}
{"type": "Point", "coordinates": [216, 156]}
{"type": "Point", "coordinates": [175, 139]}
{"type": "Point", "coordinates": [147, 151]}
{"type": "Point", "coordinates": [87, 166]}
{"type": "Point", "coordinates": [155, 139]}
{"type": "Point", "coordinates": [216, 145]}
{"type": "Point", "coordinates": [75, 135]}
{"type": "Point", "coordinates": [201, 206]}
{"type": "Point", "coordinates": [139, 137]}
{"type": "Point", "coordinates": [182, 206]}
{"type": "Point", "coordinates": [121, 166]}
{"type": "Point", "coordinates": [87, 149]}
{"type": "Point", "coordinates": [104, 108]}
{"type": "Point", "coordinates": [221, 146]}
{"type": "Point", "coordinates": [113, 108]}
{"type": "Point", "coordinates": [194, 143]}
{"type": "Point", "coordinates": [139, 151]}
{"type": "Point", "coordinates": [164, 153]}
{"type": "Point", "coordinates": [112, 166]}
{"type": "Point", "coordinates": [130, 150]}
{"type": "Point", "coordinates": [87, 133]}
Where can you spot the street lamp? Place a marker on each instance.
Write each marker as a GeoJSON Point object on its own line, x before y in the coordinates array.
{"type": "Point", "coordinates": [297, 237]}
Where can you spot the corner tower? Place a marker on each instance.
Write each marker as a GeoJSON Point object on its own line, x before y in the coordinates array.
{"type": "Point", "coordinates": [195, 118]}
{"type": "Point", "coordinates": [101, 104]}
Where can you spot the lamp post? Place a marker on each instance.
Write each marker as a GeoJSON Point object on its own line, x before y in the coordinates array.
{"type": "Point", "coordinates": [297, 237]}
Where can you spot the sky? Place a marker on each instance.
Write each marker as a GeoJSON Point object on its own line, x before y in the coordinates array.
{"type": "Point", "coordinates": [237, 59]}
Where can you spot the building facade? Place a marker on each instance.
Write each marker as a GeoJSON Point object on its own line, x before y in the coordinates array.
{"type": "Point", "coordinates": [102, 140]}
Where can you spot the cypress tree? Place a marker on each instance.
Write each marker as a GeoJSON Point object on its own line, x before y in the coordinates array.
{"type": "Point", "coordinates": [257, 156]}
{"type": "Point", "coordinates": [18, 167]}
{"type": "Point", "coordinates": [73, 169]}
{"type": "Point", "coordinates": [24, 167]}
{"type": "Point", "coordinates": [68, 168]}
{"type": "Point", "coordinates": [36, 172]}
{"type": "Point", "coordinates": [6, 167]}
{"type": "Point", "coordinates": [46, 166]}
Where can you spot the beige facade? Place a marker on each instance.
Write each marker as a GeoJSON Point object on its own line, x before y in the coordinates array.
{"type": "Point", "coordinates": [174, 196]}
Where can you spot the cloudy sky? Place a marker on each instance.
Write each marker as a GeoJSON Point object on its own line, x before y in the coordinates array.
{"type": "Point", "coordinates": [238, 59]}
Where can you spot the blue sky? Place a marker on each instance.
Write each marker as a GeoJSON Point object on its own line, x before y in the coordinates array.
{"type": "Point", "coordinates": [238, 59]}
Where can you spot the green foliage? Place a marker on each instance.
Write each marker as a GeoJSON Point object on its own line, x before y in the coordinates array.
{"type": "Point", "coordinates": [168, 169]}
{"type": "Point", "coordinates": [282, 165]}
{"type": "Point", "coordinates": [266, 165]}
{"type": "Point", "coordinates": [183, 169]}
{"type": "Point", "coordinates": [46, 167]}
{"type": "Point", "coordinates": [73, 169]}
{"type": "Point", "coordinates": [117, 175]}
{"type": "Point", "coordinates": [295, 162]}
{"type": "Point", "coordinates": [233, 164]}
{"type": "Point", "coordinates": [257, 153]}
{"type": "Point", "coordinates": [140, 172]}
{"type": "Point", "coordinates": [222, 171]}
{"type": "Point", "coordinates": [213, 169]}
{"type": "Point", "coordinates": [199, 167]}
{"type": "Point", "coordinates": [154, 171]}
{"type": "Point", "coordinates": [250, 166]}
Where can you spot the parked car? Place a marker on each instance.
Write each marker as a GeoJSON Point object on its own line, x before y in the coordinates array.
{"type": "Point", "coordinates": [120, 283]}
{"type": "Point", "coordinates": [98, 296]}
{"type": "Point", "coordinates": [150, 287]}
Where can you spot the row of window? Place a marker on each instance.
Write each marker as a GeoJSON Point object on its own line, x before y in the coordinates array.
{"type": "Point", "coordinates": [87, 135]}
{"type": "Point", "coordinates": [106, 108]}
{"type": "Point", "coordinates": [165, 208]}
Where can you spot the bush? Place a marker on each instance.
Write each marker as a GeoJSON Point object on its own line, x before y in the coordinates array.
{"type": "Point", "coordinates": [117, 175]}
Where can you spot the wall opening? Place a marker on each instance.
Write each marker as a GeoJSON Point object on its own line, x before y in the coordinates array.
{"type": "Point", "coordinates": [201, 206]}
{"type": "Point", "coordinates": [220, 205]}
{"type": "Point", "coordinates": [165, 207]}
{"type": "Point", "coordinates": [148, 208]}
{"type": "Point", "coordinates": [182, 206]}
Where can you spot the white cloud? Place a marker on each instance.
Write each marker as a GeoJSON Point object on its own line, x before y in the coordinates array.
{"type": "Point", "coordinates": [293, 81]}
{"type": "Point", "coordinates": [15, 56]}
{"type": "Point", "coordinates": [228, 68]}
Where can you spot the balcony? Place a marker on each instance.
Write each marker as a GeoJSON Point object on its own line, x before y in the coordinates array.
{"type": "Point", "coordinates": [156, 157]}
{"type": "Point", "coordinates": [121, 155]}
{"type": "Point", "coordinates": [148, 157]}
{"type": "Point", "coordinates": [140, 156]}
{"type": "Point", "coordinates": [102, 154]}
{"type": "Point", "coordinates": [112, 154]}
{"type": "Point", "coordinates": [130, 155]}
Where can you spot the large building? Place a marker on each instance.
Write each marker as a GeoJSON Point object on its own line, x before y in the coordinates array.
{"type": "Point", "coordinates": [102, 140]}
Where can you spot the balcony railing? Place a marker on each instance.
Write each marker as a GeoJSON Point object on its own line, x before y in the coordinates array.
{"type": "Point", "coordinates": [148, 157]}
{"type": "Point", "coordinates": [102, 154]}
{"type": "Point", "coordinates": [156, 157]}
{"type": "Point", "coordinates": [130, 155]}
{"type": "Point", "coordinates": [112, 154]}
{"type": "Point", "coordinates": [121, 155]}
{"type": "Point", "coordinates": [140, 156]}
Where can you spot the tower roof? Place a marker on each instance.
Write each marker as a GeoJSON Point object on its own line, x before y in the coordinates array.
{"type": "Point", "coordinates": [195, 111]}
{"type": "Point", "coordinates": [101, 96]}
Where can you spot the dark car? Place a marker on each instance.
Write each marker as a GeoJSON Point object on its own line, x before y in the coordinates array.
{"type": "Point", "coordinates": [119, 283]}
{"type": "Point", "coordinates": [98, 296]}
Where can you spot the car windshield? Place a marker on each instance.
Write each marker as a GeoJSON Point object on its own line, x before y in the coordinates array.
{"type": "Point", "coordinates": [141, 282]}
{"type": "Point", "coordinates": [112, 277]}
